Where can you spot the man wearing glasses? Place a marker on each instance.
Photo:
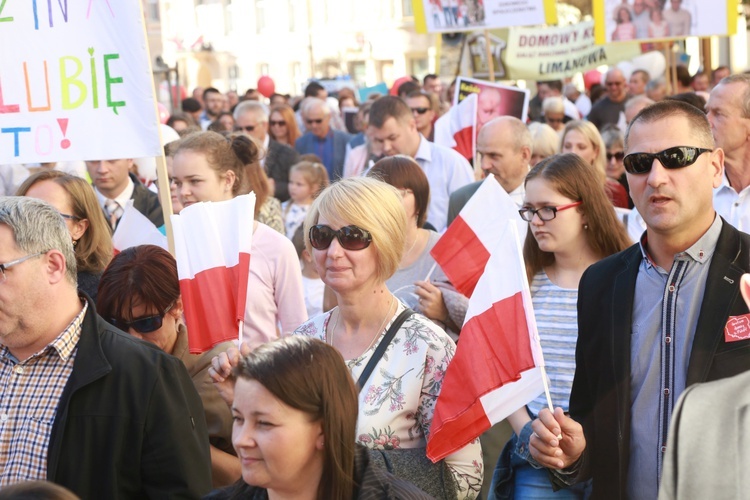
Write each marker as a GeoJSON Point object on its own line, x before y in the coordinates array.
{"type": "Point", "coordinates": [83, 405]}
{"type": "Point", "coordinates": [320, 139]}
{"type": "Point", "coordinates": [251, 118]}
{"type": "Point", "coordinates": [655, 318]}
{"type": "Point", "coordinates": [607, 110]}
{"type": "Point", "coordinates": [424, 107]}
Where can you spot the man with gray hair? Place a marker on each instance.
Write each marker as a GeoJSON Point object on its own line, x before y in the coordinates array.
{"type": "Point", "coordinates": [251, 118]}
{"type": "Point", "coordinates": [608, 109]}
{"type": "Point", "coordinates": [83, 404]}
{"type": "Point", "coordinates": [729, 115]}
{"type": "Point", "coordinates": [320, 139]}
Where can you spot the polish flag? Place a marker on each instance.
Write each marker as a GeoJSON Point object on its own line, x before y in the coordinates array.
{"type": "Point", "coordinates": [498, 366]}
{"type": "Point", "coordinates": [135, 229]}
{"type": "Point", "coordinates": [455, 129]}
{"type": "Point", "coordinates": [212, 246]}
{"type": "Point", "coordinates": [463, 251]}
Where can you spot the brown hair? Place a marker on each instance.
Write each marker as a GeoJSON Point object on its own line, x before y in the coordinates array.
{"type": "Point", "coordinates": [665, 109]}
{"type": "Point", "coordinates": [573, 178]}
{"type": "Point", "coordinates": [94, 248]}
{"type": "Point", "coordinates": [388, 107]}
{"type": "Point", "coordinates": [287, 113]}
{"type": "Point", "coordinates": [145, 274]}
{"type": "Point", "coordinates": [311, 376]}
{"type": "Point", "coordinates": [402, 172]}
{"type": "Point", "coordinates": [314, 173]}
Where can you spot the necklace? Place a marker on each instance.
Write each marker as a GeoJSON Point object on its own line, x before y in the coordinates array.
{"type": "Point", "coordinates": [377, 334]}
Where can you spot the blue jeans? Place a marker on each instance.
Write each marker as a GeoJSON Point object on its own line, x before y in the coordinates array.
{"type": "Point", "coordinates": [533, 484]}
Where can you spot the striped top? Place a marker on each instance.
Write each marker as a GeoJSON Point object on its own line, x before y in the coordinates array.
{"type": "Point", "coordinates": [556, 315]}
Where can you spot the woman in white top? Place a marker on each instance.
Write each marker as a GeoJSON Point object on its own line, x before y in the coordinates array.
{"type": "Point", "coordinates": [356, 231]}
{"type": "Point", "coordinates": [571, 226]}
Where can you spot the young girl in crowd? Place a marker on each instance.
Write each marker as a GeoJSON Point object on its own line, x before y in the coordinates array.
{"type": "Point", "coordinates": [306, 180]}
{"type": "Point", "coordinates": [658, 27]}
{"type": "Point", "coordinates": [625, 29]}
{"type": "Point", "coordinates": [571, 226]}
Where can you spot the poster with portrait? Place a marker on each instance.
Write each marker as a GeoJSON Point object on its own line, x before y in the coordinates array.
{"type": "Point", "coordinates": [436, 16]}
{"type": "Point", "coordinates": [652, 20]}
{"type": "Point", "coordinates": [493, 99]}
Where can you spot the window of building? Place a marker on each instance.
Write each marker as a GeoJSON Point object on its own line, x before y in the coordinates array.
{"type": "Point", "coordinates": [260, 16]}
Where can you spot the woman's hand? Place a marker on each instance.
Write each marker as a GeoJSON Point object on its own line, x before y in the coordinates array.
{"type": "Point", "coordinates": [431, 301]}
{"type": "Point", "coordinates": [221, 368]}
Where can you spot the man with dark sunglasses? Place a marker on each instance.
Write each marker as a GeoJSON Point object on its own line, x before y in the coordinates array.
{"type": "Point", "coordinates": [84, 405]}
{"type": "Point", "coordinates": [655, 318]}
{"type": "Point", "coordinates": [320, 139]}
{"type": "Point", "coordinates": [424, 106]}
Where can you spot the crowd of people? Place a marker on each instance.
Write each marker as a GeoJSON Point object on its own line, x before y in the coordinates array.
{"type": "Point", "coordinates": [636, 202]}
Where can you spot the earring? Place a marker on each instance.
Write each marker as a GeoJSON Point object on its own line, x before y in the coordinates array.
{"type": "Point", "coordinates": [75, 242]}
{"type": "Point", "coordinates": [585, 226]}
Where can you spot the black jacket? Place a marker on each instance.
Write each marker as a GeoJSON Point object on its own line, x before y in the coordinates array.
{"type": "Point", "coordinates": [130, 423]}
{"type": "Point", "coordinates": [600, 397]}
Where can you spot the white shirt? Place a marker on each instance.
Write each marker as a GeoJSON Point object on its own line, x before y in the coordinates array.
{"type": "Point", "coordinates": [446, 171]}
{"type": "Point", "coordinates": [734, 207]}
{"type": "Point", "coordinates": [121, 199]}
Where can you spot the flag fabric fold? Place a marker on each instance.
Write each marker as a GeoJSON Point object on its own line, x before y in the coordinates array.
{"type": "Point", "coordinates": [136, 229]}
{"type": "Point", "coordinates": [212, 246]}
{"type": "Point", "coordinates": [463, 251]}
{"type": "Point", "coordinates": [455, 129]}
{"type": "Point", "coordinates": [498, 365]}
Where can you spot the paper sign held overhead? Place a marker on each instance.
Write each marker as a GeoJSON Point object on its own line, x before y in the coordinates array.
{"type": "Point", "coordinates": [75, 82]}
{"type": "Point", "coordinates": [467, 15]}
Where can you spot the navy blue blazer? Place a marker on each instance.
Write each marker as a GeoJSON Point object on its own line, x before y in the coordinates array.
{"type": "Point", "coordinates": [306, 145]}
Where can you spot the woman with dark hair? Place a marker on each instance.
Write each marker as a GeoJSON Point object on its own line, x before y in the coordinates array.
{"type": "Point", "coordinates": [282, 125]}
{"type": "Point", "coordinates": [419, 282]}
{"type": "Point", "coordinates": [210, 167]}
{"type": "Point", "coordinates": [139, 293]}
{"type": "Point", "coordinates": [571, 226]}
{"type": "Point", "coordinates": [223, 123]}
{"type": "Point", "coordinates": [76, 201]}
{"type": "Point", "coordinates": [295, 412]}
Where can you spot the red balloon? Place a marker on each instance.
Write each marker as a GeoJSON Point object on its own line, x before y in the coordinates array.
{"type": "Point", "coordinates": [163, 113]}
{"type": "Point", "coordinates": [266, 86]}
{"type": "Point", "coordinates": [591, 77]}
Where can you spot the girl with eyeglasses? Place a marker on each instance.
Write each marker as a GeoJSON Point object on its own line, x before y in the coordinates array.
{"type": "Point", "coordinates": [355, 231]}
{"type": "Point", "coordinates": [282, 125]}
{"type": "Point", "coordinates": [571, 226]}
{"type": "Point", "coordinates": [139, 293]}
{"type": "Point", "coordinates": [210, 167]}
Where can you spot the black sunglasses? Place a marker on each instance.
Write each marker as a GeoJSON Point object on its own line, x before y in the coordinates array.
{"type": "Point", "coordinates": [146, 324]}
{"type": "Point", "coordinates": [249, 128]}
{"type": "Point", "coordinates": [350, 237]}
{"type": "Point", "coordinates": [317, 121]}
{"type": "Point", "coordinates": [676, 157]}
{"type": "Point", "coordinates": [420, 111]}
{"type": "Point", "coordinates": [274, 123]}
{"type": "Point", "coordinates": [618, 156]}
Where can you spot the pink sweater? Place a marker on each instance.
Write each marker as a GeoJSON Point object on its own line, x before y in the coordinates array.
{"type": "Point", "coordinates": [274, 290]}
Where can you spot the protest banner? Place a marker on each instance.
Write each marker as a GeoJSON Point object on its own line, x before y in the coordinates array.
{"type": "Point", "coordinates": [464, 15]}
{"type": "Point", "coordinates": [75, 82]}
{"type": "Point", "coordinates": [652, 20]}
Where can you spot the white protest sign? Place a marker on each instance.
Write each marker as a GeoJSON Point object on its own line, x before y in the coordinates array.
{"type": "Point", "coordinates": [75, 81]}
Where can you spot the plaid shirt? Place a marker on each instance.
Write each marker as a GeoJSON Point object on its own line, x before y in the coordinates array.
{"type": "Point", "coordinates": [30, 393]}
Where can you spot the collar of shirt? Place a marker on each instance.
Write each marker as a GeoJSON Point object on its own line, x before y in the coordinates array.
{"type": "Point", "coordinates": [700, 251]}
{"type": "Point", "coordinates": [517, 195]}
{"type": "Point", "coordinates": [122, 199]}
{"type": "Point", "coordinates": [328, 136]}
{"type": "Point", "coordinates": [424, 151]}
{"type": "Point", "coordinates": [726, 186]}
{"type": "Point", "coordinates": [64, 344]}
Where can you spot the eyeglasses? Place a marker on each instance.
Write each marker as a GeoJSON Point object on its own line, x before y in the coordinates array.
{"type": "Point", "coordinates": [617, 156]}
{"type": "Point", "coordinates": [147, 324]}
{"type": "Point", "coordinates": [274, 123]}
{"type": "Point", "coordinates": [420, 111]}
{"type": "Point", "coordinates": [545, 213]}
{"type": "Point", "coordinates": [8, 265]}
{"type": "Point", "coordinates": [350, 237]}
{"type": "Point", "coordinates": [248, 128]}
{"type": "Point", "coordinates": [69, 217]}
{"type": "Point", "coordinates": [676, 157]}
{"type": "Point", "coordinates": [317, 121]}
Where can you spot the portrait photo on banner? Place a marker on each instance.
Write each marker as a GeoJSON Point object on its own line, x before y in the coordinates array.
{"type": "Point", "coordinates": [467, 15]}
{"type": "Point", "coordinates": [627, 20]}
{"type": "Point", "coordinates": [493, 99]}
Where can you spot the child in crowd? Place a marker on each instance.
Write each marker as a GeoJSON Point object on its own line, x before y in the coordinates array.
{"type": "Point", "coordinates": [658, 27]}
{"type": "Point", "coordinates": [311, 283]}
{"type": "Point", "coordinates": [625, 29]}
{"type": "Point", "coordinates": [306, 180]}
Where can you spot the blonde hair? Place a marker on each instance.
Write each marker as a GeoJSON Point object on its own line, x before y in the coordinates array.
{"type": "Point", "coordinates": [369, 204]}
{"type": "Point", "coordinates": [314, 173]}
{"type": "Point", "coordinates": [590, 132]}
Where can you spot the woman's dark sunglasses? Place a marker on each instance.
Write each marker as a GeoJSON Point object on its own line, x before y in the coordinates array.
{"type": "Point", "coordinates": [146, 324]}
{"type": "Point", "coordinates": [350, 237]}
{"type": "Point", "coordinates": [617, 156]}
{"type": "Point", "coordinates": [676, 157]}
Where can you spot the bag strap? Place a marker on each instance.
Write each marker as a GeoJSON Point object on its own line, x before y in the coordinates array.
{"type": "Point", "coordinates": [405, 314]}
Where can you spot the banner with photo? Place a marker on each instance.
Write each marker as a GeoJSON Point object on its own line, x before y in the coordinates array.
{"type": "Point", "coordinates": [653, 20]}
{"type": "Point", "coordinates": [435, 16]}
{"type": "Point", "coordinates": [75, 83]}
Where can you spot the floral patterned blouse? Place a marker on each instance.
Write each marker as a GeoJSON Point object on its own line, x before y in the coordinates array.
{"type": "Point", "coordinates": [397, 403]}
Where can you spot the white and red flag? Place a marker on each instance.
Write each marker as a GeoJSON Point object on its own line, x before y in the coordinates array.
{"type": "Point", "coordinates": [463, 251]}
{"type": "Point", "coordinates": [498, 366]}
{"type": "Point", "coordinates": [212, 246]}
{"type": "Point", "coordinates": [135, 229]}
{"type": "Point", "coordinates": [455, 129]}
